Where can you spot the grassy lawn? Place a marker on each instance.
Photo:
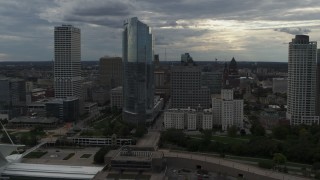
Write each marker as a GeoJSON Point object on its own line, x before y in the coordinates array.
{"type": "Point", "coordinates": [69, 156]}
{"type": "Point", "coordinates": [85, 155]}
{"type": "Point", "coordinates": [95, 133]}
{"type": "Point", "coordinates": [227, 139]}
{"type": "Point", "coordinates": [35, 155]}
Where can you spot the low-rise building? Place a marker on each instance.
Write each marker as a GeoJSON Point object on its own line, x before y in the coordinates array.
{"type": "Point", "coordinates": [32, 121]}
{"type": "Point", "coordinates": [116, 97]}
{"type": "Point", "coordinates": [136, 159]}
{"type": "Point", "coordinates": [226, 110]}
{"type": "Point", "coordinates": [188, 119]}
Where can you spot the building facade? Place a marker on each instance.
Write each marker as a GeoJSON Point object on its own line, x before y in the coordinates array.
{"type": "Point", "coordinates": [302, 71]}
{"type": "Point", "coordinates": [138, 77]}
{"type": "Point", "coordinates": [110, 70]}
{"type": "Point", "coordinates": [12, 96]}
{"type": "Point", "coordinates": [188, 119]}
{"type": "Point", "coordinates": [227, 111]}
{"type": "Point", "coordinates": [116, 97]}
{"type": "Point", "coordinates": [213, 80]}
{"type": "Point", "coordinates": [186, 88]}
{"type": "Point", "coordinates": [67, 61]}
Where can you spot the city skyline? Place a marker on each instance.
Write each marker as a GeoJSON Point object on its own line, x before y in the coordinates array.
{"type": "Point", "coordinates": [249, 31]}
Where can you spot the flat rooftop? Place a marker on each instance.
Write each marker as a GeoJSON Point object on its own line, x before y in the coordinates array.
{"type": "Point", "coordinates": [51, 171]}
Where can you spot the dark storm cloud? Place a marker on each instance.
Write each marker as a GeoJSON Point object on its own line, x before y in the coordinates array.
{"type": "Point", "coordinates": [230, 9]}
{"type": "Point", "coordinates": [294, 31]}
{"type": "Point", "coordinates": [175, 23]}
{"type": "Point", "coordinates": [161, 40]}
{"type": "Point", "coordinates": [164, 37]}
{"type": "Point", "coordinates": [104, 9]}
{"type": "Point", "coordinates": [103, 21]}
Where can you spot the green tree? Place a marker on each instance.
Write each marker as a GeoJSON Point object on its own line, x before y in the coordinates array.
{"type": "Point", "coordinates": [232, 131]}
{"type": "Point", "coordinates": [99, 156]}
{"type": "Point", "coordinates": [280, 132]}
{"type": "Point", "coordinates": [279, 159]}
{"type": "Point", "coordinates": [257, 129]}
{"type": "Point", "coordinates": [206, 137]}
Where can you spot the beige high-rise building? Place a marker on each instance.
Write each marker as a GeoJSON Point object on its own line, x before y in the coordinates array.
{"type": "Point", "coordinates": [302, 79]}
{"type": "Point", "coordinates": [110, 72]}
{"type": "Point", "coordinates": [67, 61]}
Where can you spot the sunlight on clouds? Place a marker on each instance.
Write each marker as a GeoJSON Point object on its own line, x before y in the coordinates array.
{"type": "Point", "coordinates": [305, 10]}
{"type": "Point", "coordinates": [3, 56]}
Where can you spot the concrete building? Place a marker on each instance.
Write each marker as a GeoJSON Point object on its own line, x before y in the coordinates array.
{"type": "Point", "coordinates": [227, 111]}
{"type": "Point", "coordinates": [302, 78]}
{"type": "Point", "coordinates": [279, 85]}
{"type": "Point", "coordinates": [186, 88]}
{"type": "Point", "coordinates": [28, 122]}
{"type": "Point", "coordinates": [207, 119]}
{"type": "Point", "coordinates": [188, 119]}
{"type": "Point", "coordinates": [67, 61]}
{"type": "Point", "coordinates": [186, 59]}
{"type": "Point", "coordinates": [318, 84]}
{"type": "Point", "coordinates": [138, 77]}
{"type": "Point", "coordinates": [66, 110]}
{"type": "Point", "coordinates": [116, 97]}
{"type": "Point", "coordinates": [12, 92]}
{"type": "Point", "coordinates": [110, 72]}
{"type": "Point", "coordinates": [174, 119]}
{"type": "Point", "coordinates": [101, 141]}
{"type": "Point", "coordinates": [12, 97]}
{"type": "Point", "coordinates": [136, 159]}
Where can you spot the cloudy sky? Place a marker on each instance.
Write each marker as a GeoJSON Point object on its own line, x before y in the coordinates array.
{"type": "Point", "coordinates": [249, 30]}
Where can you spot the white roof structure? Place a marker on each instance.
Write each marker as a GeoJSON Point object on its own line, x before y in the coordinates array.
{"type": "Point", "coordinates": [50, 171]}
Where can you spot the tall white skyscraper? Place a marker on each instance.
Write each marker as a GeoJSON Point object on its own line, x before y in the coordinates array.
{"type": "Point", "coordinates": [67, 61]}
{"type": "Point", "coordinates": [302, 80]}
{"type": "Point", "coordinates": [138, 73]}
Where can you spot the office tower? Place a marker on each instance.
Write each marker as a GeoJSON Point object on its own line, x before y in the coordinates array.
{"type": "Point", "coordinates": [186, 88]}
{"type": "Point", "coordinates": [213, 80]}
{"type": "Point", "coordinates": [227, 111]}
{"type": "Point", "coordinates": [12, 93]}
{"type": "Point", "coordinates": [186, 59]}
{"type": "Point", "coordinates": [67, 65]}
{"type": "Point", "coordinates": [231, 76]}
{"type": "Point", "coordinates": [110, 69]}
{"type": "Point", "coordinates": [138, 78]}
{"type": "Point", "coordinates": [318, 84]}
{"type": "Point", "coordinates": [12, 97]}
{"type": "Point", "coordinates": [301, 92]}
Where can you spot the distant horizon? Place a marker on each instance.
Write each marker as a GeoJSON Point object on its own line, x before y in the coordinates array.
{"type": "Point", "coordinates": [160, 61]}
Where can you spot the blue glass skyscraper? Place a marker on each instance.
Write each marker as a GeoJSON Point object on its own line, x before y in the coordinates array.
{"type": "Point", "coordinates": [138, 78]}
